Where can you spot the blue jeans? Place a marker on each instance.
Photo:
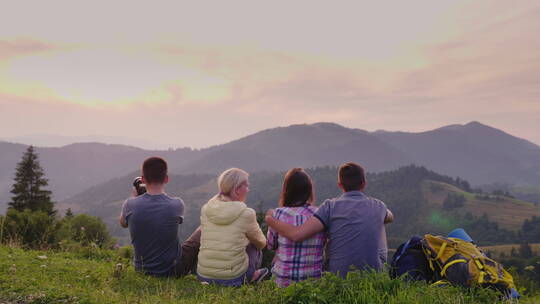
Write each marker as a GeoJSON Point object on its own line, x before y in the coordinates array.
{"type": "Point", "coordinates": [254, 262]}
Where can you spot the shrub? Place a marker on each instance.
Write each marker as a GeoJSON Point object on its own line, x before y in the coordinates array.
{"type": "Point", "coordinates": [453, 201]}
{"type": "Point", "coordinates": [435, 188]}
{"type": "Point", "coordinates": [30, 229]}
{"type": "Point", "coordinates": [125, 252]}
{"type": "Point", "coordinates": [85, 230]}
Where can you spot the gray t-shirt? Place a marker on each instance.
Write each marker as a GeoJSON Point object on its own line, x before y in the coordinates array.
{"type": "Point", "coordinates": [356, 233]}
{"type": "Point", "coordinates": [153, 225]}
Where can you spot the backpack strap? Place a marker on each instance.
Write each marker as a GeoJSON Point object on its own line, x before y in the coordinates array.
{"type": "Point", "coordinates": [441, 283]}
{"type": "Point", "coordinates": [481, 277]}
{"type": "Point", "coordinates": [443, 271]}
{"type": "Point", "coordinates": [478, 263]}
{"type": "Point", "coordinates": [441, 251]}
{"type": "Point", "coordinates": [402, 251]}
{"type": "Point", "coordinates": [427, 252]}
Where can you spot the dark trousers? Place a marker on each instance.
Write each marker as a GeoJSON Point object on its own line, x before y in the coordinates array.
{"type": "Point", "coordinates": [190, 251]}
{"type": "Point", "coordinates": [255, 260]}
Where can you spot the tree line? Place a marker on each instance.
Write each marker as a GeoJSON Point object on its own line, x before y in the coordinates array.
{"type": "Point", "coordinates": [32, 221]}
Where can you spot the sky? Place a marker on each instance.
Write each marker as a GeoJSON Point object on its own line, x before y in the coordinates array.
{"type": "Point", "coordinates": [159, 74]}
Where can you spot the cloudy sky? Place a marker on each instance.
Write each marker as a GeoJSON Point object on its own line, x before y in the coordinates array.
{"type": "Point", "coordinates": [198, 73]}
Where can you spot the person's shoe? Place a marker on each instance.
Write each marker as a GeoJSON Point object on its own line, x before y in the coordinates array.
{"type": "Point", "coordinates": [260, 275]}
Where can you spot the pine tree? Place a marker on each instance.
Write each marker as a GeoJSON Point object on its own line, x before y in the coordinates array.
{"type": "Point", "coordinates": [525, 250]}
{"type": "Point", "coordinates": [27, 190]}
{"type": "Point", "coordinates": [69, 213]}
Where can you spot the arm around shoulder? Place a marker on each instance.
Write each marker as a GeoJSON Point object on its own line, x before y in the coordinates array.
{"type": "Point", "coordinates": [296, 233]}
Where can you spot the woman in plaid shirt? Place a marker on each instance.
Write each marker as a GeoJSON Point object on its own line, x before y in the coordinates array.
{"type": "Point", "coordinates": [295, 262]}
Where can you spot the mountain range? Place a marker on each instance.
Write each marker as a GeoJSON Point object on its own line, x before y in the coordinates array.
{"type": "Point", "coordinates": [476, 152]}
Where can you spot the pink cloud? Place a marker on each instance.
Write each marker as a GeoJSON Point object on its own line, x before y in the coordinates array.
{"type": "Point", "coordinates": [20, 47]}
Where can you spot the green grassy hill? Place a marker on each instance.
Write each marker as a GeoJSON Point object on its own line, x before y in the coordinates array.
{"type": "Point", "coordinates": [508, 212]}
{"type": "Point", "coordinates": [527, 193]}
{"type": "Point", "coordinates": [104, 276]}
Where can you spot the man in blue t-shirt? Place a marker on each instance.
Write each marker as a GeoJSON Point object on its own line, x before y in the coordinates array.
{"type": "Point", "coordinates": [153, 219]}
{"type": "Point", "coordinates": [354, 223]}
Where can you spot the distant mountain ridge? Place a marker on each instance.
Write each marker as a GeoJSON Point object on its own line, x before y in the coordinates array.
{"type": "Point", "coordinates": [476, 152]}
{"type": "Point", "coordinates": [75, 167]}
{"type": "Point", "coordinates": [48, 140]}
{"type": "Point", "coordinates": [300, 146]}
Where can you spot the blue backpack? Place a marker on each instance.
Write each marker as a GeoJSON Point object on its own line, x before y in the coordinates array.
{"type": "Point", "coordinates": [410, 262]}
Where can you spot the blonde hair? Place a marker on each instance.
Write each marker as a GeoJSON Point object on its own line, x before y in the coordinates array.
{"type": "Point", "coordinates": [230, 180]}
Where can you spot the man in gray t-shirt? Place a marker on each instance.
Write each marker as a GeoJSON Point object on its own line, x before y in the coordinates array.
{"type": "Point", "coordinates": [355, 226]}
{"type": "Point", "coordinates": [153, 226]}
{"type": "Point", "coordinates": [153, 219]}
{"type": "Point", "coordinates": [354, 223]}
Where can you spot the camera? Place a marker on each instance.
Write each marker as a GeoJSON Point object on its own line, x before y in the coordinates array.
{"type": "Point", "coordinates": [140, 187]}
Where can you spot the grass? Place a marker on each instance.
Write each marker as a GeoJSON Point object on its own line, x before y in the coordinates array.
{"type": "Point", "coordinates": [102, 276]}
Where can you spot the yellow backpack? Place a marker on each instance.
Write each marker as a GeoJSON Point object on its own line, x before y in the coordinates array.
{"type": "Point", "coordinates": [462, 263]}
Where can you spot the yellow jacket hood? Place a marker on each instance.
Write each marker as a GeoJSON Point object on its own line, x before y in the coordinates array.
{"type": "Point", "coordinates": [223, 213]}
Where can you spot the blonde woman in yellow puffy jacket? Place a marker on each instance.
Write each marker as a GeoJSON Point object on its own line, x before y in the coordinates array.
{"type": "Point", "coordinates": [231, 239]}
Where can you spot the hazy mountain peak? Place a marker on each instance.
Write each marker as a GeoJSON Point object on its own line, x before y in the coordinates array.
{"type": "Point", "coordinates": [317, 125]}
{"type": "Point", "coordinates": [330, 126]}
{"type": "Point", "coordinates": [468, 126]}
{"type": "Point", "coordinates": [55, 141]}
{"type": "Point", "coordinates": [476, 124]}
{"type": "Point", "coordinates": [482, 131]}
{"type": "Point", "coordinates": [452, 127]}
{"type": "Point", "coordinates": [319, 129]}
{"type": "Point", "coordinates": [97, 145]}
{"type": "Point", "coordinates": [324, 124]}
